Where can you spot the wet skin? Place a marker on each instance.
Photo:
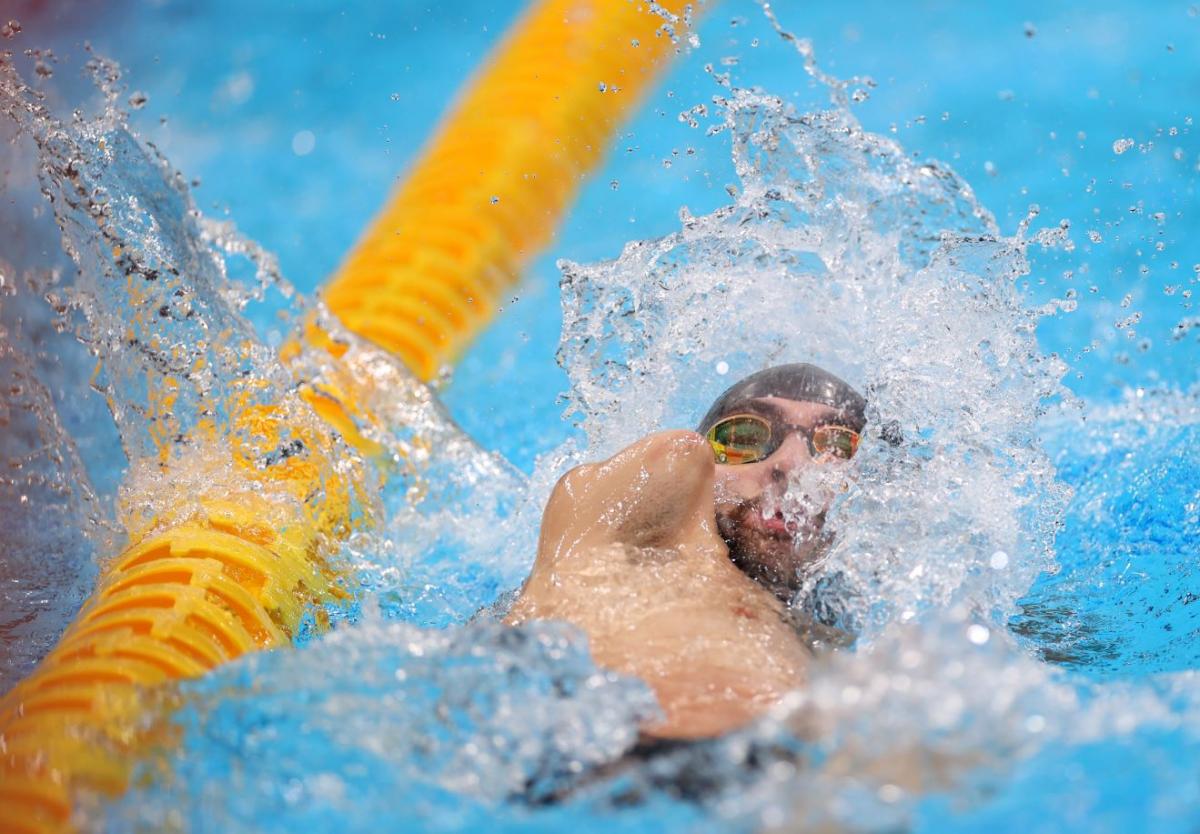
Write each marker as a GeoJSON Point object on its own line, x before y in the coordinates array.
{"type": "Point", "coordinates": [633, 551]}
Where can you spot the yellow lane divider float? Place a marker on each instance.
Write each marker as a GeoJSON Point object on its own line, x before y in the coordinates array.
{"type": "Point", "coordinates": [498, 175]}
{"type": "Point", "coordinates": [241, 571]}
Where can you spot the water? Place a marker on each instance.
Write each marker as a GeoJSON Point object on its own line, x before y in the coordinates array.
{"type": "Point", "coordinates": [52, 516]}
{"type": "Point", "coordinates": [1017, 570]}
{"type": "Point", "coordinates": [1124, 551]}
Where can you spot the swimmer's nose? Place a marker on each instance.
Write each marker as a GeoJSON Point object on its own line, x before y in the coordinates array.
{"type": "Point", "coordinates": [790, 456]}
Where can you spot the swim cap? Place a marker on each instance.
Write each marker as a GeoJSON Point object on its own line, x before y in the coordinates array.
{"type": "Point", "coordinates": [801, 382]}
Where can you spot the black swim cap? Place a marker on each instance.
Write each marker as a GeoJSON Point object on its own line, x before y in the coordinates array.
{"type": "Point", "coordinates": [801, 382]}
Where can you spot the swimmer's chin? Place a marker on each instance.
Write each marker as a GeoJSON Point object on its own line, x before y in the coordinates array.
{"type": "Point", "coordinates": [774, 559]}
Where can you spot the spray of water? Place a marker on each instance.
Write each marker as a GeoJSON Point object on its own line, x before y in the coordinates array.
{"type": "Point", "coordinates": [204, 405]}
{"type": "Point", "coordinates": [50, 519]}
{"type": "Point", "coordinates": [841, 251]}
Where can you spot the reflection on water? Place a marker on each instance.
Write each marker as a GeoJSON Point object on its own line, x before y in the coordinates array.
{"type": "Point", "coordinates": [838, 248]}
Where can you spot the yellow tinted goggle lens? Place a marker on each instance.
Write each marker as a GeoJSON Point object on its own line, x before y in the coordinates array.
{"type": "Point", "coordinates": [745, 438]}
{"type": "Point", "coordinates": [838, 441]}
{"type": "Point", "coordinates": [740, 439]}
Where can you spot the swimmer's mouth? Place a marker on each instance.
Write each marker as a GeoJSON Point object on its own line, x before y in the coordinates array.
{"type": "Point", "coordinates": [779, 527]}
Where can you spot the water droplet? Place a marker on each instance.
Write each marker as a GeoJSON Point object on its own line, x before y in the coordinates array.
{"type": "Point", "coordinates": [603, 87]}
{"type": "Point", "coordinates": [890, 794]}
{"type": "Point", "coordinates": [495, 199]}
{"type": "Point", "coordinates": [303, 143]}
{"type": "Point", "coordinates": [1030, 29]}
{"type": "Point", "coordinates": [614, 185]}
{"type": "Point", "coordinates": [138, 100]}
{"type": "Point", "coordinates": [978, 634]}
{"type": "Point", "coordinates": [10, 29]}
{"type": "Point", "coordinates": [1095, 237]}
{"type": "Point", "coordinates": [722, 368]}
{"type": "Point", "coordinates": [395, 96]}
{"type": "Point", "coordinates": [999, 560]}
{"type": "Point", "coordinates": [1122, 145]}
{"type": "Point", "coordinates": [989, 168]}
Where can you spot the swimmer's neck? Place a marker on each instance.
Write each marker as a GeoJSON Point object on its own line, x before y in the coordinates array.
{"type": "Point", "coordinates": [782, 588]}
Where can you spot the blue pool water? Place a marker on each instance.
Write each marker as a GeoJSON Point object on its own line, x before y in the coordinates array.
{"type": "Point", "coordinates": [295, 122]}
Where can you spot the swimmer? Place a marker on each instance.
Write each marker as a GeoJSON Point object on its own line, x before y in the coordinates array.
{"type": "Point", "coordinates": [677, 555]}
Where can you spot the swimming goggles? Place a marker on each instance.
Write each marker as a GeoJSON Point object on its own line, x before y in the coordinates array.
{"type": "Point", "coordinates": [748, 438]}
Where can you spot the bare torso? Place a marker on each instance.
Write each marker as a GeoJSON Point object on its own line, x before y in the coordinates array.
{"type": "Point", "coordinates": [629, 553]}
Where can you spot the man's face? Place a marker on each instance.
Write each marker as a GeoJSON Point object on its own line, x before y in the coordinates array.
{"type": "Point", "coordinates": [771, 512]}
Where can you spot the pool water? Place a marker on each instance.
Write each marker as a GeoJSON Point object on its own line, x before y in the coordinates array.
{"type": "Point", "coordinates": [1019, 573]}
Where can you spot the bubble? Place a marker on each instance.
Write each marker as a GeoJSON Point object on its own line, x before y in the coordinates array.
{"type": "Point", "coordinates": [890, 793]}
{"type": "Point", "coordinates": [998, 560]}
{"type": "Point", "coordinates": [1121, 145]}
{"type": "Point", "coordinates": [978, 634]}
{"type": "Point", "coordinates": [237, 88]}
{"type": "Point", "coordinates": [303, 142]}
